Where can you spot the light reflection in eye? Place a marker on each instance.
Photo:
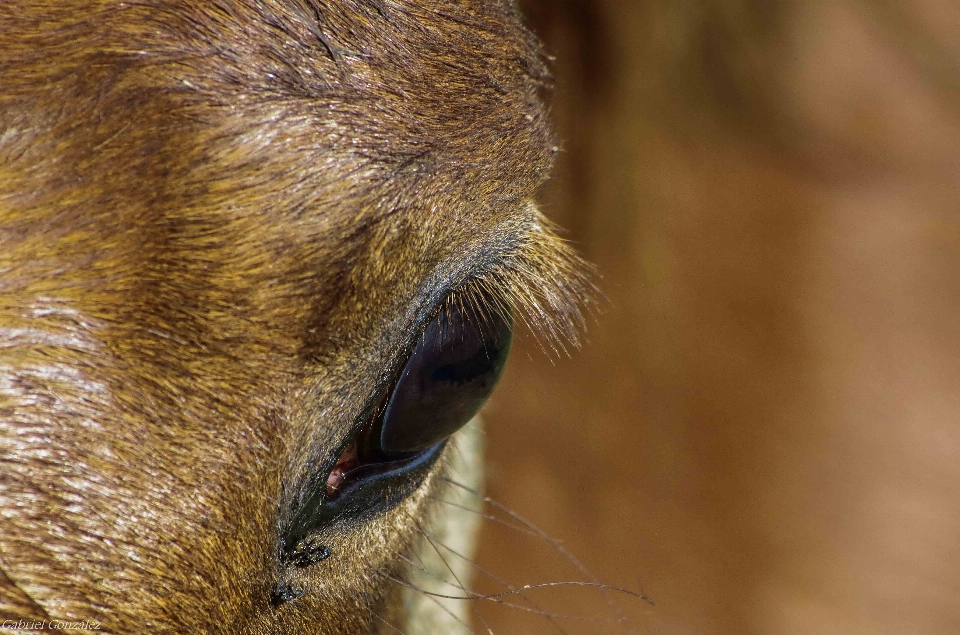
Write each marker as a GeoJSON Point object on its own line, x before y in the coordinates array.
{"type": "Point", "coordinates": [449, 376]}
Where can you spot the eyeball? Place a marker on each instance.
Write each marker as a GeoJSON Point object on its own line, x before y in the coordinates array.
{"type": "Point", "coordinates": [446, 378]}
{"type": "Point", "coordinates": [449, 375]}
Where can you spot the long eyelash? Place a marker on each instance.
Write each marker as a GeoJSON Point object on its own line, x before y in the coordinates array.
{"type": "Point", "coordinates": [542, 283]}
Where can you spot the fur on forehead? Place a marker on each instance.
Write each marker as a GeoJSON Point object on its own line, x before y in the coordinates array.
{"type": "Point", "coordinates": [339, 131]}
{"type": "Point", "coordinates": [372, 99]}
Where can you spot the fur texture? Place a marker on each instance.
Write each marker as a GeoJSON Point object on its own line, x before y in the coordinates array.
{"type": "Point", "coordinates": [222, 224]}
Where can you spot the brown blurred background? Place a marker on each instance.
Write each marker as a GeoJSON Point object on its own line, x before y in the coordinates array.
{"type": "Point", "coordinates": [763, 432]}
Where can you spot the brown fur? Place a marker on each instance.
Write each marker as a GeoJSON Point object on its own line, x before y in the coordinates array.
{"type": "Point", "coordinates": [222, 223]}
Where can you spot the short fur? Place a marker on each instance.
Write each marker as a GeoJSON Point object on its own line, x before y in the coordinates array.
{"type": "Point", "coordinates": [222, 223]}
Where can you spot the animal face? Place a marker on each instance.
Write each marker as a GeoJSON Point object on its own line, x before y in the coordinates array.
{"type": "Point", "coordinates": [259, 261]}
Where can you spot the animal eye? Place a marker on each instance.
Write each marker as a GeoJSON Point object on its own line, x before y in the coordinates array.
{"type": "Point", "coordinates": [451, 372]}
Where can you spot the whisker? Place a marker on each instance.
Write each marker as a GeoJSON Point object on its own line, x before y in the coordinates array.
{"type": "Point", "coordinates": [446, 564]}
{"type": "Point", "coordinates": [527, 587]}
{"type": "Point", "coordinates": [505, 584]}
{"type": "Point", "coordinates": [489, 517]}
{"type": "Point", "coordinates": [451, 614]}
{"type": "Point", "coordinates": [432, 574]}
{"type": "Point", "coordinates": [559, 548]}
{"type": "Point", "coordinates": [377, 615]}
{"type": "Point", "coordinates": [476, 596]}
{"type": "Point", "coordinates": [473, 595]}
{"type": "Point", "coordinates": [423, 565]}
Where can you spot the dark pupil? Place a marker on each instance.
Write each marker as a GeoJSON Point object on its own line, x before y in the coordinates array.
{"type": "Point", "coordinates": [449, 375]}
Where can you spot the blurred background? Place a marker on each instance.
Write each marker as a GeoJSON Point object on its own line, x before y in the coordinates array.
{"type": "Point", "coordinates": [762, 434]}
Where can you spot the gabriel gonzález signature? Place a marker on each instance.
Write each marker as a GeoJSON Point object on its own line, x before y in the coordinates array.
{"type": "Point", "coordinates": [49, 625]}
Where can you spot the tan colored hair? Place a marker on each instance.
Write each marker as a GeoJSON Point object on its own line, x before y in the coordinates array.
{"type": "Point", "coordinates": [221, 226]}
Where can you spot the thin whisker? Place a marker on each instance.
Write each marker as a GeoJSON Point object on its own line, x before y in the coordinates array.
{"type": "Point", "coordinates": [432, 575]}
{"type": "Point", "coordinates": [475, 596]}
{"type": "Point", "coordinates": [451, 614]}
{"type": "Point", "coordinates": [489, 517]}
{"type": "Point", "coordinates": [446, 564]}
{"type": "Point", "coordinates": [506, 584]}
{"type": "Point", "coordinates": [377, 615]}
{"type": "Point", "coordinates": [556, 545]}
{"type": "Point", "coordinates": [495, 596]}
